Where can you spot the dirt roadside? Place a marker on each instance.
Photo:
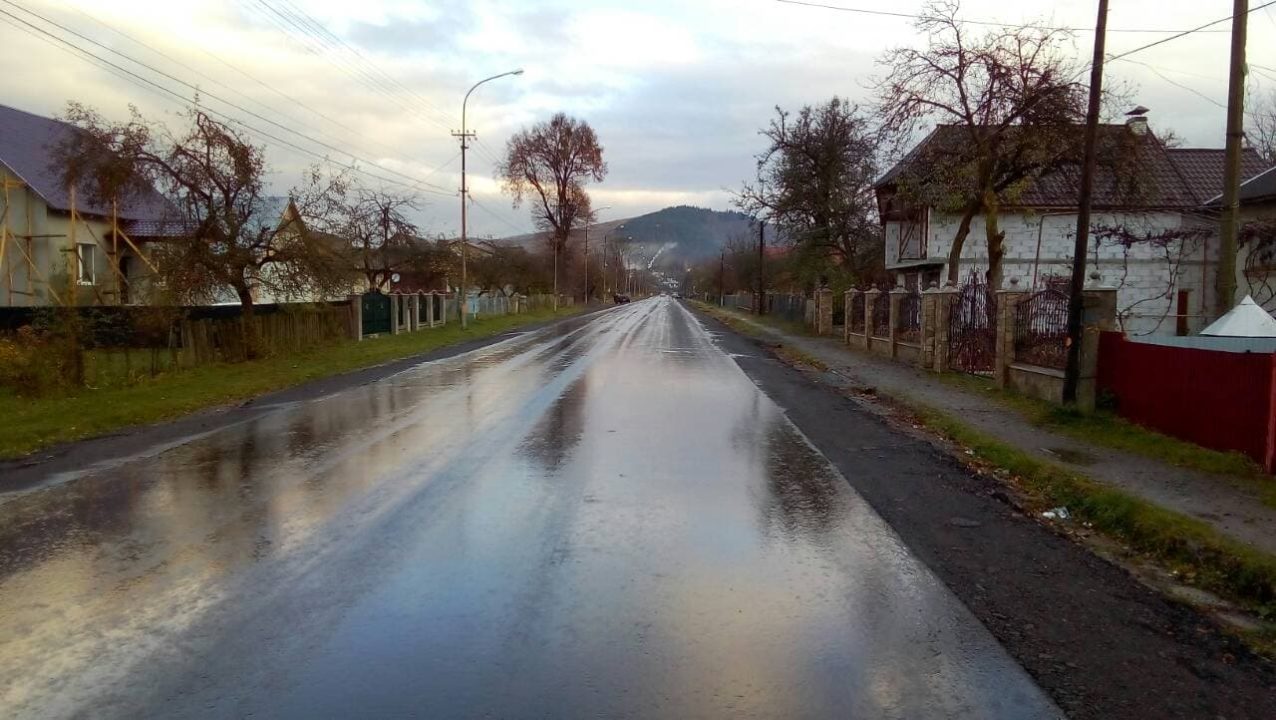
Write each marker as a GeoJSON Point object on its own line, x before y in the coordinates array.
{"type": "Point", "coordinates": [1100, 642]}
{"type": "Point", "coordinates": [38, 468]}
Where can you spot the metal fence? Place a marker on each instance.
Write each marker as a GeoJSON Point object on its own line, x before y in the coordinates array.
{"type": "Point", "coordinates": [1041, 329]}
{"type": "Point", "coordinates": [787, 306]}
{"type": "Point", "coordinates": [882, 315]}
{"type": "Point", "coordinates": [910, 317]}
{"type": "Point", "coordinates": [972, 328]}
{"type": "Point", "coordinates": [857, 313]}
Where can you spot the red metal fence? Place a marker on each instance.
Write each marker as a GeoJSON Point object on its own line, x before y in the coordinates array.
{"type": "Point", "coordinates": [1220, 400]}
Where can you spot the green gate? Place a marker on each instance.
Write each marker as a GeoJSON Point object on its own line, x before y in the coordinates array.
{"type": "Point", "coordinates": [376, 313]}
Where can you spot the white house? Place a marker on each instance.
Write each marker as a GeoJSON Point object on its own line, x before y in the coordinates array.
{"type": "Point", "coordinates": [1160, 251]}
{"type": "Point", "coordinates": [57, 246]}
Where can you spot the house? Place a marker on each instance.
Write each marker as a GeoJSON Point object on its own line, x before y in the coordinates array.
{"type": "Point", "coordinates": [57, 245]}
{"type": "Point", "coordinates": [1153, 234]}
{"type": "Point", "coordinates": [1256, 261]}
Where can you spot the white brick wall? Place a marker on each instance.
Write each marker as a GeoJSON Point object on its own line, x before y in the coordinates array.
{"type": "Point", "coordinates": [1148, 281]}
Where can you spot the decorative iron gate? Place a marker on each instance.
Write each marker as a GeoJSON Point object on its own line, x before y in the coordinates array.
{"type": "Point", "coordinates": [972, 327]}
{"type": "Point", "coordinates": [376, 313]}
{"type": "Point", "coordinates": [1041, 329]}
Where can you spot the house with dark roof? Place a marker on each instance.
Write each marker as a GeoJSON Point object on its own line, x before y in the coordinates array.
{"type": "Point", "coordinates": [1154, 235]}
{"type": "Point", "coordinates": [1256, 261]}
{"type": "Point", "coordinates": [57, 245]}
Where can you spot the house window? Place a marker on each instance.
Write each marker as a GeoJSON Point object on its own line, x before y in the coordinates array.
{"type": "Point", "coordinates": [85, 264]}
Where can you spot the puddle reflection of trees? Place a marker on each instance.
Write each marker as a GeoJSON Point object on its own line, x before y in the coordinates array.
{"type": "Point", "coordinates": [559, 430]}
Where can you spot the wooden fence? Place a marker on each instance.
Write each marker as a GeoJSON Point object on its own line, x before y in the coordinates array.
{"type": "Point", "coordinates": [225, 340]}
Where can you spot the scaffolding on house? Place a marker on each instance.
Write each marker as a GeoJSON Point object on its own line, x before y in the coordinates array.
{"type": "Point", "coordinates": [24, 243]}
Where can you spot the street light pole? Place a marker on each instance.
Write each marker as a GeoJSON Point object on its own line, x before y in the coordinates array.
{"type": "Point", "coordinates": [464, 135]}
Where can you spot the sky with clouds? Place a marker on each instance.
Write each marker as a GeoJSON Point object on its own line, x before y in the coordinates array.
{"type": "Point", "coordinates": [676, 89]}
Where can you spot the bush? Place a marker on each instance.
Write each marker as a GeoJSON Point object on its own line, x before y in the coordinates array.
{"type": "Point", "coordinates": [35, 362]}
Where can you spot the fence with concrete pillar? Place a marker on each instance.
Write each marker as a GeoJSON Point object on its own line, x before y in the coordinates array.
{"type": "Point", "coordinates": [824, 311]}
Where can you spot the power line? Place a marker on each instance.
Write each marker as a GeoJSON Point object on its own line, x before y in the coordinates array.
{"type": "Point", "coordinates": [1178, 35]}
{"type": "Point", "coordinates": [197, 90]}
{"type": "Point", "coordinates": [355, 51]}
{"type": "Point", "coordinates": [993, 23]}
{"type": "Point", "coordinates": [517, 230]}
{"type": "Point", "coordinates": [1177, 84]}
{"type": "Point", "coordinates": [321, 47]}
{"type": "Point", "coordinates": [219, 83]}
{"type": "Point", "coordinates": [147, 82]}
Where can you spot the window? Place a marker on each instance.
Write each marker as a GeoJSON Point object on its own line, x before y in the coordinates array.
{"type": "Point", "coordinates": [85, 264]}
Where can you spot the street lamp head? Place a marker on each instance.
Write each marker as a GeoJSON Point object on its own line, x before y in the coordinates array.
{"type": "Point", "coordinates": [517, 72]}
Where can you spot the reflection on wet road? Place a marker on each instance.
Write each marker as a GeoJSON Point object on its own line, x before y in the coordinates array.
{"type": "Point", "coordinates": [601, 519]}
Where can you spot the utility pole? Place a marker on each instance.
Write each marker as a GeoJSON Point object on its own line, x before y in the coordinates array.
{"type": "Point", "coordinates": [1232, 164]}
{"type": "Point", "coordinates": [1072, 371]}
{"type": "Point", "coordinates": [761, 266]}
{"type": "Point", "coordinates": [463, 294]}
{"type": "Point", "coordinates": [722, 276]}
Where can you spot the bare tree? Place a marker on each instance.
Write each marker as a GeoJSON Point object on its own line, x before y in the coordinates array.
{"type": "Point", "coordinates": [1260, 107]}
{"type": "Point", "coordinates": [383, 240]}
{"type": "Point", "coordinates": [1012, 93]}
{"type": "Point", "coordinates": [815, 181]}
{"type": "Point", "coordinates": [550, 163]}
{"type": "Point", "coordinates": [229, 235]}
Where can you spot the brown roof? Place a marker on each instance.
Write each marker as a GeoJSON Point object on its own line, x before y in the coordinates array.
{"type": "Point", "coordinates": [1202, 169]}
{"type": "Point", "coordinates": [1156, 176]}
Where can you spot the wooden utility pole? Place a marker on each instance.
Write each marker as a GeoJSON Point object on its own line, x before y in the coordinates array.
{"type": "Point", "coordinates": [761, 266]}
{"type": "Point", "coordinates": [1232, 165]}
{"type": "Point", "coordinates": [1072, 371]}
{"type": "Point", "coordinates": [722, 276]}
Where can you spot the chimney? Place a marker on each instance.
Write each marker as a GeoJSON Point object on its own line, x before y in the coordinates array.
{"type": "Point", "coordinates": [1137, 120]}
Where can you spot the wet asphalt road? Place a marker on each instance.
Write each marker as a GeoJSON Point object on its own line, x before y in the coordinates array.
{"type": "Point", "coordinates": [604, 518]}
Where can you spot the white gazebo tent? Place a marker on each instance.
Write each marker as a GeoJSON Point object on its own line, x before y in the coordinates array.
{"type": "Point", "coordinates": [1247, 319]}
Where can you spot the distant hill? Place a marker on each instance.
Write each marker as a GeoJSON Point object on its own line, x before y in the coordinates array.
{"type": "Point", "coordinates": [686, 234]}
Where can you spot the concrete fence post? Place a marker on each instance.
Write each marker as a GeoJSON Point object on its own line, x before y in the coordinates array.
{"type": "Point", "coordinates": [930, 317]}
{"type": "Point", "coordinates": [945, 298]}
{"type": "Point", "coordinates": [897, 295]}
{"type": "Point", "coordinates": [1099, 314]}
{"type": "Point", "coordinates": [356, 317]}
{"type": "Point", "coordinates": [414, 315]}
{"type": "Point", "coordinates": [848, 303]}
{"type": "Point", "coordinates": [1004, 356]}
{"type": "Point", "coordinates": [824, 311]}
{"type": "Point", "coordinates": [395, 300]}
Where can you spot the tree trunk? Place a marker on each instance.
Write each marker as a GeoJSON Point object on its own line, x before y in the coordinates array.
{"type": "Point", "coordinates": [247, 325]}
{"type": "Point", "coordinates": [996, 239]}
{"type": "Point", "coordinates": [959, 242]}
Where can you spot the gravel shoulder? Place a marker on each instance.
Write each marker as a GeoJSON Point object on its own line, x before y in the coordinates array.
{"type": "Point", "coordinates": [1101, 643]}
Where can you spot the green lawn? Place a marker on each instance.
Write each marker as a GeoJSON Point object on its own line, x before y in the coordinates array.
{"type": "Point", "coordinates": [34, 423]}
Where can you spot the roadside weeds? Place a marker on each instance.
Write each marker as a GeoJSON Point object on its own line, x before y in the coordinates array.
{"type": "Point", "coordinates": [1189, 551]}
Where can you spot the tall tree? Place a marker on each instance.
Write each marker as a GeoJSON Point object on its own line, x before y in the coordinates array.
{"type": "Point", "coordinates": [551, 163]}
{"type": "Point", "coordinates": [229, 234]}
{"type": "Point", "coordinates": [815, 182]}
{"type": "Point", "coordinates": [1014, 96]}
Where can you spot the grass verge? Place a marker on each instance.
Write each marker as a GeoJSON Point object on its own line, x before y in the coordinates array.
{"type": "Point", "coordinates": [1201, 556]}
{"type": "Point", "coordinates": [32, 424]}
{"type": "Point", "coordinates": [1102, 429]}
